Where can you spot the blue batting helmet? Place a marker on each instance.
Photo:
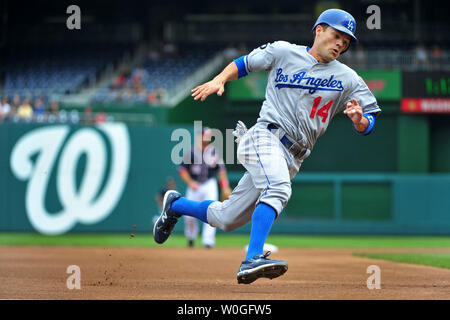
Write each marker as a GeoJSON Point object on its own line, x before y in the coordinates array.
{"type": "Point", "coordinates": [339, 20]}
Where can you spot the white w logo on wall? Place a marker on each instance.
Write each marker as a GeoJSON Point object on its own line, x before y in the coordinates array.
{"type": "Point", "coordinates": [34, 158]}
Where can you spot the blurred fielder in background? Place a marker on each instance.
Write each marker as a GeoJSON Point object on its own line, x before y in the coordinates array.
{"type": "Point", "coordinates": [198, 170]}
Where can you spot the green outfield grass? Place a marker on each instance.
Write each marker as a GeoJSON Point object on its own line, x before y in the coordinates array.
{"type": "Point", "coordinates": [225, 240]}
{"type": "Point", "coordinates": [441, 260]}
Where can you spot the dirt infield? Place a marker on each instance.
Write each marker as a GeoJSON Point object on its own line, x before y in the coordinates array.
{"type": "Point", "coordinates": [178, 273]}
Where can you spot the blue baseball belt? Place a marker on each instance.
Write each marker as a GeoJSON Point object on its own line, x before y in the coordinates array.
{"type": "Point", "coordinates": [292, 146]}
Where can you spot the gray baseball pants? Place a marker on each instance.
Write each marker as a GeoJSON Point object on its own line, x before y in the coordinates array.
{"type": "Point", "coordinates": [270, 168]}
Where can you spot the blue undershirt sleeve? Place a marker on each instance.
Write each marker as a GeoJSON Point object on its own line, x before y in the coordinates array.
{"type": "Point", "coordinates": [371, 118]}
{"type": "Point", "coordinates": [240, 63]}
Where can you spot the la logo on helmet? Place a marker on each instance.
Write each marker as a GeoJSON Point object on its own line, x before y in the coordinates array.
{"type": "Point", "coordinates": [350, 25]}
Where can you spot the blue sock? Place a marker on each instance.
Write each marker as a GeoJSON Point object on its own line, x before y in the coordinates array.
{"type": "Point", "coordinates": [196, 209]}
{"type": "Point", "coordinates": [262, 220]}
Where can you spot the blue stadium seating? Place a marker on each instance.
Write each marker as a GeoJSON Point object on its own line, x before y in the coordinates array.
{"type": "Point", "coordinates": [55, 70]}
{"type": "Point", "coordinates": [164, 73]}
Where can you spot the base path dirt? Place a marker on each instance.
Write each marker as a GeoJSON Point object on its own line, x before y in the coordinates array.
{"type": "Point", "coordinates": [183, 273]}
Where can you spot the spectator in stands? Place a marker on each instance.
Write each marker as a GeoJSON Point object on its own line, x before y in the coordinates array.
{"type": "Point", "coordinates": [39, 108]}
{"type": "Point", "coordinates": [100, 117]}
{"type": "Point", "coordinates": [88, 117]}
{"type": "Point", "coordinates": [54, 107]}
{"type": "Point", "coordinates": [63, 116]}
{"type": "Point", "coordinates": [138, 76]}
{"type": "Point", "coordinates": [142, 94]}
{"type": "Point", "coordinates": [421, 56]}
{"type": "Point", "coordinates": [437, 56]}
{"type": "Point", "coordinates": [25, 111]}
{"type": "Point", "coordinates": [5, 109]}
{"type": "Point", "coordinates": [53, 113]}
{"type": "Point", "coordinates": [121, 80]}
{"type": "Point", "coordinates": [159, 95]}
{"type": "Point", "coordinates": [15, 104]}
{"type": "Point", "coordinates": [151, 98]}
{"type": "Point", "coordinates": [125, 95]}
{"type": "Point", "coordinates": [74, 116]}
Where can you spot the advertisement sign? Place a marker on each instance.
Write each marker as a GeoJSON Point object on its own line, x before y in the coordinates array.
{"type": "Point", "coordinates": [384, 84]}
{"type": "Point", "coordinates": [415, 105]}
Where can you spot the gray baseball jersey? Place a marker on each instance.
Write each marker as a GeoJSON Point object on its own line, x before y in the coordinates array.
{"type": "Point", "coordinates": [303, 94]}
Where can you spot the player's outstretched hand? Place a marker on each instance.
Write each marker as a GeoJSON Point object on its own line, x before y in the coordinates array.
{"type": "Point", "coordinates": [204, 90]}
{"type": "Point", "coordinates": [354, 111]}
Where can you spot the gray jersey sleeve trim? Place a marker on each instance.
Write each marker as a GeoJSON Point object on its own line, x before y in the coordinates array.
{"type": "Point", "coordinates": [372, 108]}
{"type": "Point", "coordinates": [246, 64]}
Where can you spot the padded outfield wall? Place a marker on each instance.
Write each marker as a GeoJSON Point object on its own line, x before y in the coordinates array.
{"type": "Point", "coordinates": [66, 178]}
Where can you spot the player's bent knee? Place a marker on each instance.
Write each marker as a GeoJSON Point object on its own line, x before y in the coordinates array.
{"type": "Point", "coordinates": [229, 228]}
{"type": "Point", "coordinates": [219, 218]}
{"type": "Point", "coordinates": [286, 195]}
{"type": "Point", "coordinates": [288, 191]}
{"type": "Point", "coordinates": [282, 191]}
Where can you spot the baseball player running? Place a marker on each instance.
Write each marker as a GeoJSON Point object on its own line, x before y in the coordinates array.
{"type": "Point", "coordinates": [306, 88]}
{"type": "Point", "coordinates": [198, 171]}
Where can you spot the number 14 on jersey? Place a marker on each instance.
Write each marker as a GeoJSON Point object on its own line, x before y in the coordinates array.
{"type": "Point", "coordinates": [322, 112]}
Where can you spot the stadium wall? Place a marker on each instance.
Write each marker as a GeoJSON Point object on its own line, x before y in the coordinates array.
{"type": "Point", "coordinates": [69, 178]}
